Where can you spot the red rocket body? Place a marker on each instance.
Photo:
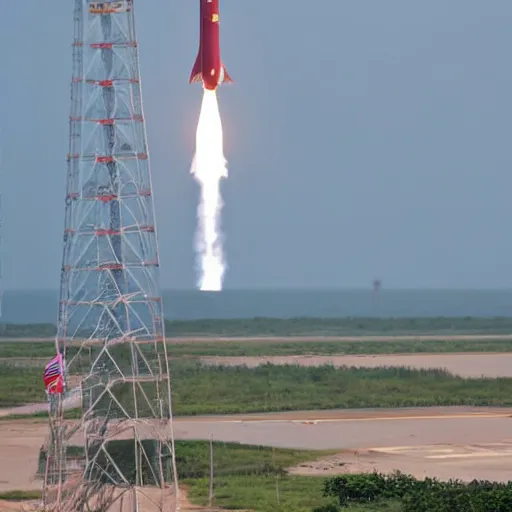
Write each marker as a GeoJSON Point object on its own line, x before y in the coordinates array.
{"type": "Point", "coordinates": [208, 67]}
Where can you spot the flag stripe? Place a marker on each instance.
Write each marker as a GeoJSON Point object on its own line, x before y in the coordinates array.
{"type": "Point", "coordinates": [53, 375]}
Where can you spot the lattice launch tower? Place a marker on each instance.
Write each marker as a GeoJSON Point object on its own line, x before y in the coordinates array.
{"type": "Point", "coordinates": [119, 453]}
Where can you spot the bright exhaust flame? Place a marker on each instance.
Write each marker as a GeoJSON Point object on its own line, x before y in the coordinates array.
{"type": "Point", "coordinates": [208, 167]}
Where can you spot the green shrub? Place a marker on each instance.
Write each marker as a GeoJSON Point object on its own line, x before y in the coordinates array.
{"type": "Point", "coordinates": [327, 508]}
{"type": "Point", "coordinates": [426, 495]}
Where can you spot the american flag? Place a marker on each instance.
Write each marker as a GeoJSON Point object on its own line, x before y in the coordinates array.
{"type": "Point", "coordinates": [53, 375]}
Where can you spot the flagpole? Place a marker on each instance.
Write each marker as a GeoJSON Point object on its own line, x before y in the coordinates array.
{"type": "Point", "coordinates": [60, 391]}
{"type": "Point", "coordinates": [48, 448]}
{"type": "Point", "coordinates": [59, 449]}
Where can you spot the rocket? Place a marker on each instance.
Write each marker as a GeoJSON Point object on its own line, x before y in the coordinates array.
{"type": "Point", "coordinates": [208, 67]}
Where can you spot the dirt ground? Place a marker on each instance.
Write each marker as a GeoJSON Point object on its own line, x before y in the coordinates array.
{"type": "Point", "coordinates": [451, 442]}
{"type": "Point", "coordinates": [444, 461]}
{"type": "Point", "coordinates": [11, 506]}
{"type": "Point", "coordinates": [463, 364]}
{"type": "Point", "coordinates": [8, 506]}
{"type": "Point", "coordinates": [185, 505]}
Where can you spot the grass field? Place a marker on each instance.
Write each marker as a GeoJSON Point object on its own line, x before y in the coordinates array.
{"type": "Point", "coordinates": [27, 330]}
{"type": "Point", "coordinates": [249, 477]}
{"type": "Point", "coordinates": [302, 326]}
{"type": "Point", "coordinates": [19, 386]}
{"type": "Point", "coordinates": [193, 459]}
{"type": "Point", "coordinates": [264, 348]}
{"type": "Point", "coordinates": [305, 326]}
{"type": "Point", "coordinates": [199, 389]}
{"type": "Point", "coordinates": [20, 495]}
{"type": "Point", "coordinates": [259, 493]}
{"type": "Point", "coordinates": [245, 477]}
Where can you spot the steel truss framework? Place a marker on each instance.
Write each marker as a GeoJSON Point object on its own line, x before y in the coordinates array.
{"type": "Point", "coordinates": [110, 325]}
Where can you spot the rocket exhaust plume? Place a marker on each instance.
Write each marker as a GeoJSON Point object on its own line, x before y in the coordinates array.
{"type": "Point", "coordinates": [209, 164]}
{"type": "Point", "coordinates": [208, 167]}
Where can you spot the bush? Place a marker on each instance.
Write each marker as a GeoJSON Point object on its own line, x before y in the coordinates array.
{"type": "Point", "coordinates": [425, 495]}
{"type": "Point", "coordinates": [327, 508]}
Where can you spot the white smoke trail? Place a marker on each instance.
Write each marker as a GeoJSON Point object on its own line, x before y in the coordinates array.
{"type": "Point", "coordinates": [208, 167]}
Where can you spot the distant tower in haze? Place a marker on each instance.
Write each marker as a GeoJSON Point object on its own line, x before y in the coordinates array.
{"type": "Point", "coordinates": [377, 285]}
{"type": "Point", "coordinates": [110, 325]}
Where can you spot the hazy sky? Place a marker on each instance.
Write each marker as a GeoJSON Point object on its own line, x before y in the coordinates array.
{"type": "Point", "coordinates": [363, 139]}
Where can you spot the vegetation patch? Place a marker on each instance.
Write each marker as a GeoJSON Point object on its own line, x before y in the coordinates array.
{"type": "Point", "coordinates": [255, 478]}
{"type": "Point", "coordinates": [245, 476]}
{"type": "Point", "coordinates": [24, 349]}
{"type": "Point", "coordinates": [20, 495]}
{"type": "Point", "coordinates": [20, 386]}
{"type": "Point", "coordinates": [235, 459]}
{"type": "Point", "coordinates": [262, 493]}
{"type": "Point", "coordinates": [415, 495]}
{"type": "Point", "coordinates": [301, 326]}
{"type": "Point", "coordinates": [27, 330]}
{"type": "Point", "coordinates": [31, 354]}
{"type": "Point", "coordinates": [344, 326]}
{"type": "Point", "coordinates": [192, 460]}
{"type": "Point", "coordinates": [297, 348]}
{"type": "Point", "coordinates": [200, 389]}
{"type": "Point", "coordinates": [221, 390]}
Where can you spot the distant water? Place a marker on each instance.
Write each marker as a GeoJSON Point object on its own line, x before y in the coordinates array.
{"type": "Point", "coordinates": [41, 306]}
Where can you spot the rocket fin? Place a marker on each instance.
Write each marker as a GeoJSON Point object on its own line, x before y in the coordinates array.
{"type": "Point", "coordinates": [196, 78]}
{"type": "Point", "coordinates": [196, 74]}
{"type": "Point", "coordinates": [226, 79]}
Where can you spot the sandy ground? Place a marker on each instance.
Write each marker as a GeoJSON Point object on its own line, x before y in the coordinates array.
{"type": "Point", "coordinates": [10, 506]}
{"type": "Point", "coordinates": [484, 460]}
{"type": "Point", "coordinates": [464, 364]}
{"type": "Point", "coordinates": [445, 442]}
{"type": "Point", "coordinates": [185, 505]}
